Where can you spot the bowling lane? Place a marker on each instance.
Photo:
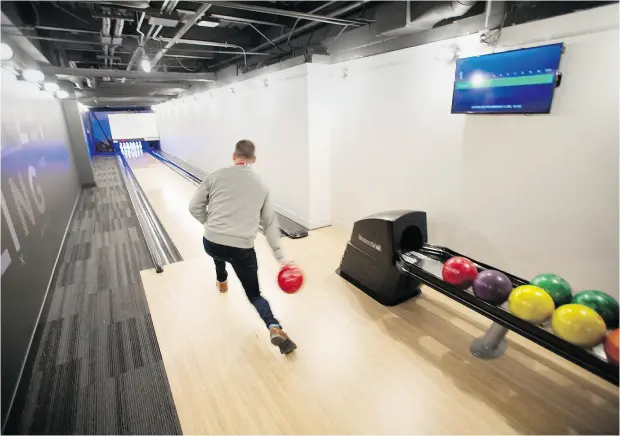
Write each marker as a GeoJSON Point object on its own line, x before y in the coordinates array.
{"type": "Point", "coordinates": [360, 367]}
{"type": "Point", "coordinates": [169, 195]}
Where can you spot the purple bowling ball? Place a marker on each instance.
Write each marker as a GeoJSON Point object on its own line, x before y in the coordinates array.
{"type": "Point", "coordinates": [492, 286]}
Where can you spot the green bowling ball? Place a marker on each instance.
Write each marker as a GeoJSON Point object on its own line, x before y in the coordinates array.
{"type": "Point", "coordinates": [556, 286]}
{"type": "Point", "coordinates": [605, 305]}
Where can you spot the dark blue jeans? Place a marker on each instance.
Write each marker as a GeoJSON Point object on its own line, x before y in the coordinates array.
{"type": "Point", "coordinates": [243, 261]}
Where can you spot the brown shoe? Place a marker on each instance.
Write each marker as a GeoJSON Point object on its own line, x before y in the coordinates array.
{"type": "Point", "coordinates": [281, 340]}
{"type": "Point", "coordinates": [222, 287]}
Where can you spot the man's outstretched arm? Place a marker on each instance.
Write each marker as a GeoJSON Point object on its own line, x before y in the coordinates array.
{"type": "Point", "coordinates": [200, 201]}
{"type": "Point", "coordinates": [269, 221]}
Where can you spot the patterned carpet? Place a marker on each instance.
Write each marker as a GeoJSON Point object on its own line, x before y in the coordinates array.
{"type": "Point", "coordinates": [98, 369]}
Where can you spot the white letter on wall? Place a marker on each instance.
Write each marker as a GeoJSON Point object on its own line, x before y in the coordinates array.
{"type": "Point", "coordinates": [39, 200]}
{"type": "Point", "coordinates": [22, 201]}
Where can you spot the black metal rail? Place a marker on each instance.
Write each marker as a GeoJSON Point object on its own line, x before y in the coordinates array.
{"type": "Point", "coordinates": [288, 227]}
{"type": "Point", "coordinates": [586, 359]}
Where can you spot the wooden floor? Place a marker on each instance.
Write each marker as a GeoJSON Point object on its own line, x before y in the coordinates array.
{"type": "Point", "coordinates": [361, 368]}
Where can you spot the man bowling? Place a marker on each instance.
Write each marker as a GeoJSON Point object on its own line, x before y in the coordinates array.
{"type": "Point", "coordinates": [231, 203]}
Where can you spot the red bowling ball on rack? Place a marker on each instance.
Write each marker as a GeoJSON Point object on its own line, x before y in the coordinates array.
{"type": "Point", "coordinates": [290, 278]}
{"type": "Point", "coordinates": [459, 271]}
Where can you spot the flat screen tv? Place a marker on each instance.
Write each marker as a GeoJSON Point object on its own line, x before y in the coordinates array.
{"type": "Point", "coordinates": [510, 82]}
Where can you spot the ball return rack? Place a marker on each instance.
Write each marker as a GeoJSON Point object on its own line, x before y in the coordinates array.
{"type": "Point", "coordinates": [388, 257]}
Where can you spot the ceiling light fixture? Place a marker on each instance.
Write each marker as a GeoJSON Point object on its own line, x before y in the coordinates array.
{"type": "Point", "coordinates": [208, 23]}
{"type": "Point", "coordinates": [62, 94]}
{"type": "Point", "coordinates": [6, 52]}
{"type": "Point", "coordinates": [51, 87]}
{"type": "Point", "coordinates": [33, 76]}
{"type": "Point", "coordinates": [145, 65]}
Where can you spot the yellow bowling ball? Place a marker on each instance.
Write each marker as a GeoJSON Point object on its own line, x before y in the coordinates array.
{"type": "Point", "coordinates": [531, 303]}
{"type": "Point", "coordinates": [578, 325]}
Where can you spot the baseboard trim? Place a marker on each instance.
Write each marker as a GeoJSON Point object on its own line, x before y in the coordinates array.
{"type": "Point", "coordinates": [37, 332]}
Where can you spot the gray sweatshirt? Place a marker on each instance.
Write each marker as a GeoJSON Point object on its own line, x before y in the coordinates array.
{"type": "Point", "coordinates": [230, 203]}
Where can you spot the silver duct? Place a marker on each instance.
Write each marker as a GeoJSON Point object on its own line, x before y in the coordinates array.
{"type": "Point", "coordinates": [118, 32]}
{"type": "Point", "coordinates": [308, 26]}
{"type": "Point", "coordinates": [182, 31]}
{"type": "Point", "coordinates": [403, 18]}
{"type": "Point", "coordinates": [106, 23]}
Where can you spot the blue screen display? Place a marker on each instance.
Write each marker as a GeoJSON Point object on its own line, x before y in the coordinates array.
{"type": "Point", "coordinates": [518, 81]}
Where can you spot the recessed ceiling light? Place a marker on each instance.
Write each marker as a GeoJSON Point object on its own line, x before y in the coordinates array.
{"type": "Point", "coordinates": [33, 76]}
{"type": "Point", "coordinates": [145, 65]}
{"type": "Point", "coordinates": [6, 52]}
{"type": "Point", "coordinates": [51, 86]}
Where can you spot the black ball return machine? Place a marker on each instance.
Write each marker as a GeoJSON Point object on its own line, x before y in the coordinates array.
{"type": "Point", "coordinates": [388, 257]}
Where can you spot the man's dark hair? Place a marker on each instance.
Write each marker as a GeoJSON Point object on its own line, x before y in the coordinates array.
{"type": "Point", "coordinates": [245, 149]}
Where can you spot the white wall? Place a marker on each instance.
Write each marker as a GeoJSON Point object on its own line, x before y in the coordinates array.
{"type": "Point", "coordinates": [319, 143]}
{"type": "Point", "coordinates": [125, 125]}
{"type": "Point", "coordinates": [204, 130]}
{"type": "Point", "coordinates": [530, 194]}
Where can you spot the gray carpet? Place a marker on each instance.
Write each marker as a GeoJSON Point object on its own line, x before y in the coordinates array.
{"type": "Point", "coordinates": [98, 369]}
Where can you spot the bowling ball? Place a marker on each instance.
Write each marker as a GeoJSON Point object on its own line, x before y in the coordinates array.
{"type": "Point", "coordinates": [578, 325]}
{"type": "Point", "coordinates": [459, 271]}
{"type": "Point", "coordinates": [605, 305]}
{"type": "Point", "coordinates": [290, 278]}
{"type": "Point", "coordinates": [611, 347]}
{"type": "Point", "coordinates": [492, 286]}
{"type": "Point", "coordinates": [556, 286]}
{"type": "Point", "coordinates": [531, 303]}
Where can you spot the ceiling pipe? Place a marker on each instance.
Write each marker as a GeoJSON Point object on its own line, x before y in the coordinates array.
{"type": "Point", "coordinates": [140, 20]}
{"type": "Point", "coordinates": [60, 29]}
{"type": "Point", "coordinates": [246, 20]}
{"type": "Point", "coordinates": [118, 31]}
{"type": "Point", "coordinates": [106, 23]}
{"type": "Point", "coordinates": [167, 7]}
{"type": "Point", "coordinates": [487, 14]}
{"type": "Point", "coordinates": [308, 26]}
{"type": "Point", "coordinates": [284, 13]}
{"type": "Point", "coordinates": [49, 38]}
{"type": "Point", "coordinates": [182, 31]}
{"type": "Point", "coordinates": [320, 8]}
{"type": "Point", "coordinates": [208, 44]}
{"type": "Point", "coordinates": [189, 56]}
{"type": "Point", "coordinates": [119, 74]}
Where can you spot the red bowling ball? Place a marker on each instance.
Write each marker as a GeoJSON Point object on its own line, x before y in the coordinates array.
{"type": "Point", "coordinates": [611, 347]}
{"type": "Point", "coordinates": [290, 279]}
{"type": "Point", "coordinates": [459, 271]}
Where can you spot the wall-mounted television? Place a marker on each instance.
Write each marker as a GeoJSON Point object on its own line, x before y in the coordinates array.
{"type": "Point", "coordinates": [511, 82]}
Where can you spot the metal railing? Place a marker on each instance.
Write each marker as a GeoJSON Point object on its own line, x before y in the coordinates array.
{"type": "Point", "coordinates": [161, 248]}
{"type": "Point", "coordinates": [287, 226]}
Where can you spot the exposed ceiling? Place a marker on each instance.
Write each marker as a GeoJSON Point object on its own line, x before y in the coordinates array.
{"type": "Point", "coordinates": [118, 35]}
{"type": "Point", "coordinates": [84, 40]}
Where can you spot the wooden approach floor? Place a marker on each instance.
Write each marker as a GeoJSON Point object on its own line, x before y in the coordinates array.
{"type": "Point", "coordinates": [361, 368]}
